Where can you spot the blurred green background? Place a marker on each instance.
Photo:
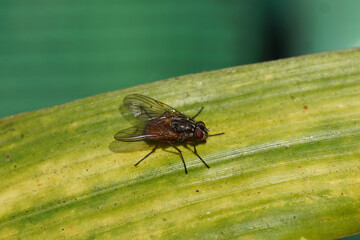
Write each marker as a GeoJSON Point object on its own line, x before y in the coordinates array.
{"type": "Point", "coordinates": [52, 52]}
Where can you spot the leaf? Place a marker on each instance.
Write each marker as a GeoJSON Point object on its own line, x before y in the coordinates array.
{"type": "Point", "coordinates": [288, 166]}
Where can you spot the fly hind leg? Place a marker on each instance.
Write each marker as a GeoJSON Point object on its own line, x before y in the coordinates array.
{"type": "Point", "coordinates": [147, 154]}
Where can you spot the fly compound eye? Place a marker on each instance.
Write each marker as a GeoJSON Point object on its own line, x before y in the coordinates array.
{"type": "Point", "coordinates": [199, 135]}
{"type": "Point", "coordinates": [201, 125]}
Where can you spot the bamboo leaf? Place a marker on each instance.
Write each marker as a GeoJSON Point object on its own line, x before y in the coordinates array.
{"type": "Point", "coordinates": [288, 166]}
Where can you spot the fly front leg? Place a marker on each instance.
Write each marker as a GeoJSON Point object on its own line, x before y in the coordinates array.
{"type": "Point", "coordinates": [202, 108]}
{"type": "Point", "coordinates": [200, 157]}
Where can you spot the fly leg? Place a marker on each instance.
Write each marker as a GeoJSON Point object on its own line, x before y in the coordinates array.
{"type": "Point", "coordinates": [200, 157]}
{"type": "Point", "coordinates": [202, 108]}
{"type": "Point", "coordinates": [147, 154]}
{"type": "Point", "coordinates": [182, 158]}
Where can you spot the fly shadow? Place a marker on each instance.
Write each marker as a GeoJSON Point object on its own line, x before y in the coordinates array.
{"type": "Point", "coordinates": [127, 147]}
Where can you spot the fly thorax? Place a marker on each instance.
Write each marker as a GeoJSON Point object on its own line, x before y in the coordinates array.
{"type": "Point", "coordinates": [183, 125]}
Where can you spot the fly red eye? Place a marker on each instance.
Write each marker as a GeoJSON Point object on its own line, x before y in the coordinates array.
{"type": "Point", "coordinates": [199, 134]}
{"type": "Point", "coordinates": [201, 125]}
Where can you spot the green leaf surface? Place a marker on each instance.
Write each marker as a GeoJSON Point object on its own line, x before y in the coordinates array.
{"type": "Point", "coordinates": [288, 166]}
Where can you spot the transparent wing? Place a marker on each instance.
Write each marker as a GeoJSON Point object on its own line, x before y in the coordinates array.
{"type": "Point", "coordinates": [143, 131]}
{"type": "Point", "coordinates": [132, 134]}
{"type": "Point", "coordinates": [144, 108]}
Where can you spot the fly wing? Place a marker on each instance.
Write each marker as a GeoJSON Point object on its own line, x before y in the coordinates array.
{"type": "Point", "coordinates": [144, 108]}
{"type": "Point", "coordinates": [155, 130]}
{"type": "Point", "coordinates": [132, 134]}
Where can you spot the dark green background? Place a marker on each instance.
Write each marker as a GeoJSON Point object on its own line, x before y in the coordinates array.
{"type": "Point", "coordinates": [52, 52]}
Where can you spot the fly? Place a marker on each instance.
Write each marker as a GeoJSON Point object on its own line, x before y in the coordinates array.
{"type": "Point", "coordinates": [160, 123]}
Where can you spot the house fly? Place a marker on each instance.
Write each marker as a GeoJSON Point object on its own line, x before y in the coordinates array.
{"type": "Point", "coordinates": [159, 123]}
